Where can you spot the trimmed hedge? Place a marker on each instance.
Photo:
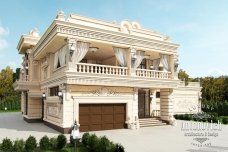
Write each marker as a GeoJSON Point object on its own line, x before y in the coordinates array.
{"type": "Point", "coordinates": [100, 144]}
{"type": "Point", "coordinates": [210, 117]}
{"type": "Point", "coordinates": [30, 144]}
{"type": "Point", "coordinates": [11, 103]}
{"type": "Point", "coordinates": [6, 145]}
{"type": "Point", "coordinates": [90, 143]}
{"type": "Point", "coordinates": [44, 143]}
{"type": "Point", "coordinates": [61, 141]}
{"type": "Point", "coordinates": [18, 145]}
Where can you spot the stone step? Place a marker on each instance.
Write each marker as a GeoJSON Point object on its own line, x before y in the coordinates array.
{"type": "Point", "coordinates": [152, 125]}
{"type": "Point", "coordinates": [150, 122]}
{"type": "Point", "coordinates": [148, 119]}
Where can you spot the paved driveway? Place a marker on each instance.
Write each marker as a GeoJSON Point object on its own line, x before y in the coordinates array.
{"type": "Point", "coordinates": [157, 139]}
{"type": "Point", "coordinates": [13, 126]}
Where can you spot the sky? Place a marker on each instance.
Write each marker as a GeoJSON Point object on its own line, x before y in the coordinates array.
{"type": "Point", "coordinates": [200, 27]}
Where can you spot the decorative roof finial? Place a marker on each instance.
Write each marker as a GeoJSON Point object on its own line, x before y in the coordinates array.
{"type": "Point", "coordinates": [60, 16]}
{"type": "Point", "coordinates": [34, 32]}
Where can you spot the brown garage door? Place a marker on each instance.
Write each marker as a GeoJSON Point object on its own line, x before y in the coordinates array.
{"type": "Point", "coordinates": [94, 117]}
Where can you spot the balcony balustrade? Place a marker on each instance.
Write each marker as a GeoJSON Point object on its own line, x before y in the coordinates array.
{"type": "Point", "coordinates": [101, 69]}
{"type": "Point", "coordinates": [153, 74]}
{"type": "Point", "coordinates": [120, 71]}
{"type": "Point", "coordinates": [24, 78]}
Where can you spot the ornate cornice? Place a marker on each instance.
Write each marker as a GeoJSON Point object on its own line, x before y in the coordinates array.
{"type": "Point", "coordinates": [116, 37]}
{"type": "Point", "coordinates": [67, 29]}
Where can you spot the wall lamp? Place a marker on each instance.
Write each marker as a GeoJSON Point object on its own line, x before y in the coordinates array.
{"type": "Point", "coordinates": [43, 96]}
{"type": "Point", "coordinates": [60, 94]}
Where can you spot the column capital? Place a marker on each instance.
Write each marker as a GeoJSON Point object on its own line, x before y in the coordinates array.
{"type": "Point", "coordinates": [71, 40]}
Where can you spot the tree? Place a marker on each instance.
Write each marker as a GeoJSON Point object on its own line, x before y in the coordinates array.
{"type": "Point", "coordinates": [183, 76]}
{"type": "Point", "coordinates": [226, 88]}
{"type": "Point", "coordinates": [6, 82]}
{"type": "Point", "coordinates": [16, 74]}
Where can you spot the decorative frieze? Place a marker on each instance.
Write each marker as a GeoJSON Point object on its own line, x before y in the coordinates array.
{"type": "Point", "coordinates": [111, 37]}
{"type": "Point", "coordinates": [103, 91]}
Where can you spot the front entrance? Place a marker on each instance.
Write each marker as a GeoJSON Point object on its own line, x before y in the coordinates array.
{"type": "Point", "coordinates": [143, 103]}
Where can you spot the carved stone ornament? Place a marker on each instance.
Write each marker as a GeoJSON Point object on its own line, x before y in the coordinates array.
{"type": "Point", "coordinates": [102, 92]}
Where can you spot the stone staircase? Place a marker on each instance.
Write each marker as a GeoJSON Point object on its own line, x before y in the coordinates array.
{"type": "Point", "coordinates": [150, 122]}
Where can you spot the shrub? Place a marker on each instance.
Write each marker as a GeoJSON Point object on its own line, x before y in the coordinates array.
{"type": "Point", "coordinates": [61, 141]}
{"type": "Point", "coordinates": [119, 148]}
{"type": "Point", "coordinates": [44, 143]}
{"type": "Point", "coordinates": [181, 117]}
{"type": "Point", "coordinates": [185, 117]}
{"type": "Point", "coordinates": [53, 143]}
{"type": "Point", "coordinates": [225, 120]}
{"type": "Point", "coordinates": [104, 144]}
{"type": "Point", "coordinates": [93, 143]}
{"type": "Point", "coordinates": [176, 117]}
{"type": "Point", "coordinates": [85, 138]}
{"type": "Point", "coordinates": [30, 144]}
{"type": "Point", "coordinates": [72, 141]}
{"type": "Point", "coordinates": [18, 145]}
{"type": "Point", "coordinates": [6, 145]}
{"type": "Point", "coordinates": [214, 119]}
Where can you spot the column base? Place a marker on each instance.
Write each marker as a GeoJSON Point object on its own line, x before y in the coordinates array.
{"type": "Point", "coordinates": [33, 120]}
{"type": "Point", "coordinates": [58, 128]}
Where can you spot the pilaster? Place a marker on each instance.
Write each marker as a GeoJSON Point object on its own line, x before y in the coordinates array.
{"type": "Point", "coordinates": [166, 104]}
{"type": "Point", "coordinates": [153, 101]}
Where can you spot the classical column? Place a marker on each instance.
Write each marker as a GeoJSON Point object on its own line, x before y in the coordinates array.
{"type": "Point", "coordinates": [166, 104]}
{"type": "Point", "coordinates": [71, 47]}
{"type": "Point", "coordinates": [132, 51]}
{"type": "Point", "coordinates": [128, 59]}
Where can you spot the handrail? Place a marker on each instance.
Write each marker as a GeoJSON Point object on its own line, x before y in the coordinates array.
{"type": "Point", "coordinates": [101, 69]}
{"type": "Point", "coordinates": [153, 73]}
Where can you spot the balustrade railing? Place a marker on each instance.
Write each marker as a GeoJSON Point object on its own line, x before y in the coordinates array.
{"type": "Point", "coordinates": [24, 78]}
{"type": "Point", "coordinates": [101, 69]}
{"type": "Point", "coordinates": [153, 74]}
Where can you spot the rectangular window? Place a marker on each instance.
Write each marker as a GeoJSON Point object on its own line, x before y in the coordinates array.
{"type": "Point", "coordinates": [54, 91]}
{"type": "Point", "coordinates": [157, 94]}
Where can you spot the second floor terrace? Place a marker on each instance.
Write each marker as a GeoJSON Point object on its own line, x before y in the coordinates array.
{"type": "Point", "coordinates": [81, 59]}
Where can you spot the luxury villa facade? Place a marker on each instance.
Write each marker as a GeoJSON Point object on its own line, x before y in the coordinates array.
{"type": "Point", "coordinates": [103, 75]}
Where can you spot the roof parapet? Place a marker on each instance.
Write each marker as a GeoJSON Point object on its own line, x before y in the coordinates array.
{"type": "Point", "coordinates": [27, 41]}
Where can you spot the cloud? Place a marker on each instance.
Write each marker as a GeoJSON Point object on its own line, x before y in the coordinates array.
{"type": "Point", "coordinates": [3, 42]}
{"type": "Point", "coordinates": [4, 31]}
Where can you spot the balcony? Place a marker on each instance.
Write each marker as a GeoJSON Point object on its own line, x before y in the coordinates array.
{"type": "Point", "coordinates": [120, 71]}
{"type": "Point", "coordinates": [101, 69]}
{"type": "Point", "coordinates": [96, 74]}
{"type": "Point", "coordinates": [24, 83]}
{"type": "Point", "coordinates": [24, 78]}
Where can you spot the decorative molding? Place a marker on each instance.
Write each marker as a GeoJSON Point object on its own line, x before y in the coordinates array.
{"type": "Point", "coordinates": [111, 37]}
{"type": "Point", "coordinates": [103, 91]}
{"type": "Point", "coordinates": [54, 110]}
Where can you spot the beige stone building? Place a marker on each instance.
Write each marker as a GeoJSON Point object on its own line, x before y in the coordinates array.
{"type": "Point", "coordinates": [104, 75]}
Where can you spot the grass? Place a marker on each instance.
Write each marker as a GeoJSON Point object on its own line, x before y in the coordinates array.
{"type": "Point", "coordinates": [19, 110]}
